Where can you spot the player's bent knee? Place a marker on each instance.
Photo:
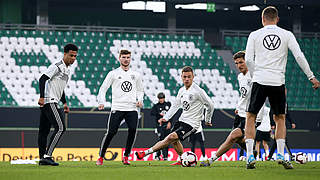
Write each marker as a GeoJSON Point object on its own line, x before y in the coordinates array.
{"type": "Point", "coordinates": [236, 134]}
{"type": "Point", "coordinates": [172, 137]}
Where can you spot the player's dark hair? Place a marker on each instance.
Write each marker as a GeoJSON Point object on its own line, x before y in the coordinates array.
{"type": "Point", "coordinates": [187, 69]}
{"type": "Point", "coordinates": [124, 52]}
{"type": "Point", "coordinates": [239, 54]}
{"type": "Point", "coordinates": [70, 47]}
{"type": "Point", "coordinates": [161, 95]}
{"type": "Point", "coordinates": [270, 13]}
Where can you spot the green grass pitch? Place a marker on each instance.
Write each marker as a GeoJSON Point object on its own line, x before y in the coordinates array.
{"type": "Point", "coordinates": [159, 170]}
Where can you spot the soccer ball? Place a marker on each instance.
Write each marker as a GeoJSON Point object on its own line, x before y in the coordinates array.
{"type": "Point", "coordinates": [189, 159]}
{"type": "Point", "coordinates": [301, 158]}
{"type": "Point", "coordinates": [242, 158]}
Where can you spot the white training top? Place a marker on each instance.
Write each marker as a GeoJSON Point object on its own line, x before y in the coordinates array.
{"type": "Point", "coordinates": [244, 88]}
{"type": "Point", "coordinates": [193, 101]}
{"type": "Point", "coordinates": [265, 125]}
{"type": "Point", "coordinates": [266, 55]}
{"type": "Point", "coordinates": [245, 85]}
{"type": "Point", "coordinates": [59, 75]}
{"type": "Point", "coordinates": [127, 89]}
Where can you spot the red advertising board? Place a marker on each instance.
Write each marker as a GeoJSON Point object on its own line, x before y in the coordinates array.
{"type": "Point", "coordinates": [231, 155]}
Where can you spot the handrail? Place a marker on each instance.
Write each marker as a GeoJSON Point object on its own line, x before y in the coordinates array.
{"type": "Point", "coordinates": [199, 32]}
{"type": "Point", "coordinates": [240, 33]}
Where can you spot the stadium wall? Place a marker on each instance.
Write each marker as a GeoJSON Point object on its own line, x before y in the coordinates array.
{"type": "Point", "coordinates": [91, 138]}
{"type": "Point", "coordinates": [86, 118]}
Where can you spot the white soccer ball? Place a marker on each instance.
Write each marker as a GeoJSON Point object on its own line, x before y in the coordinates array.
{"type": "Point", "coordinates": [242, 158]}
{"type": "Point", "coordinates": [189, 159]}
{"type": "Point", "coordinates": [301, 158]}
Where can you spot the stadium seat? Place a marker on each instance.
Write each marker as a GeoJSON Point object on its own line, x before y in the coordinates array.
{"type": "Point", "coordinates": [159, 57]}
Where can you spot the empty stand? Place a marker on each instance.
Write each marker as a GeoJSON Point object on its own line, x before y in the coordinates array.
{"type": "Point", "coordinates": [26, 54]}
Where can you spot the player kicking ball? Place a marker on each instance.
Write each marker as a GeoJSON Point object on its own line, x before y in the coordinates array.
{"type": "Point", "coordinates": [237, 134]}
{"type": "Point", "coordinates": [192, 99]}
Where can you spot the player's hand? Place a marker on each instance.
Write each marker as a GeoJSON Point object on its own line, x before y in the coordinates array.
{"type": "Point", "coordinates": [272, 134]}
{"type": "Point", "coordinates": [66, 108]}
{"type": "Point", "coordinates": [41, 102]}
{"type": "Point", "coordinates": [293, 126]}
{"type": "Point", "coordinates": [139, 104]}
{"type": "Point", "coordinates": [208, 124]}
{"type": "Point", "coordinates": [169, 125]}
{"type": "Point", "coordinates": [160, 121]}
{"type": "Point", "coordinates": [236, 111]}
{"type": "Point", "coordinates": [315, 82]}
{"type": "Point", "coordinates": [101, 107]}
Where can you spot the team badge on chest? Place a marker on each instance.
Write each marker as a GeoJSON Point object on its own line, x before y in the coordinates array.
{"type": "Point", "coordinates": [190, 97]}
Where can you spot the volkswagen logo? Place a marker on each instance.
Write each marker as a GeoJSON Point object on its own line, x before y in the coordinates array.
{"type": "Point", "coordinates": [271, 42]}
{"type": "Point", "coordinates": [126, 86]}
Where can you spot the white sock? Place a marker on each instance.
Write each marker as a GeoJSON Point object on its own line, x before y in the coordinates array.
{"type": "Point", "coordinates": [148, 151]}
{"type": "Point", "coordinates": [280, 146]}
{"type": "Point", "coordinates": [249, 145]}
{"type": "Point", "coordinates": [179, 158]}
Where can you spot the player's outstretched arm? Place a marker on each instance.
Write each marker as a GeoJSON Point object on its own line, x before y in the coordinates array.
{"type": "Point", "coordinates": [300, 58]}
{"type": "Point", "coordinates": [209, 106]}
{"type": "Point", "coordinates": [174, 108]}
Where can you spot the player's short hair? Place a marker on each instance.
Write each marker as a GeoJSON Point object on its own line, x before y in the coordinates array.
{"type": "Point", "coordinates": [161, 95]}
{"type": "Point", "coordinates": [70, 47]}
{"type": "Point", "coordinates": [239, 54]}
{"type": "Point", "coordinates": [124, 52]}
{"type": "Point", "coordinates": [187, 69]}
{"type": "Point", "coordinates": [270, 13]}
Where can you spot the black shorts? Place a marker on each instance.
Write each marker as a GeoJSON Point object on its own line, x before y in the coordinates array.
{"type": "Point", "coordinates": [275, 94]}
{"type": "Point", "coordinates": [197, 137]}
{"type": "Point", "coordinates": [261, 135]}
{"type": "Point", "coordinates": [183, 130]}
{"type": "Point", "coordinates": [239, 122]}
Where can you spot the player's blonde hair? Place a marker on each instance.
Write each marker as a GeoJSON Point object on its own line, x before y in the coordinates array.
{"type": "Point", "coordinates": [124, 52]}
{"type": "Point", "coordinates": [239, 54]}
{"type": "Point", "coordinates": [270, 13]}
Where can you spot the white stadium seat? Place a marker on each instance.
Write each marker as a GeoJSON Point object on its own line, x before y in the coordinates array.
{"type": "Point", "coordinates": [13, 41]}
